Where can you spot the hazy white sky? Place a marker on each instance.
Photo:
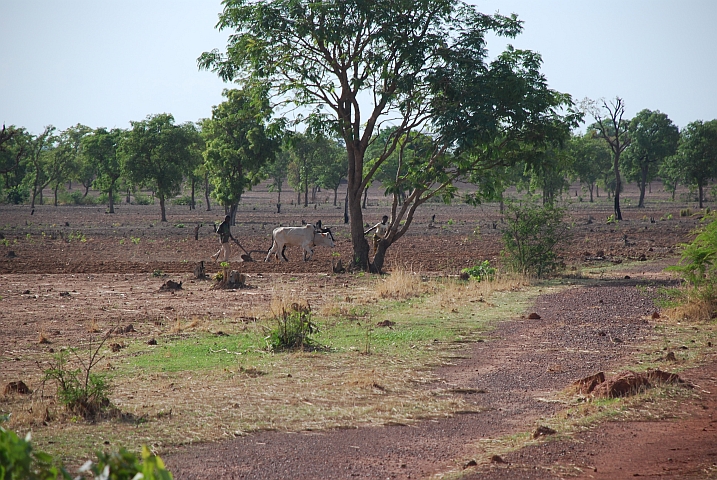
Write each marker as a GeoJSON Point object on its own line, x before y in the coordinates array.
{"type": "Point", "coordinates": [105, 63]}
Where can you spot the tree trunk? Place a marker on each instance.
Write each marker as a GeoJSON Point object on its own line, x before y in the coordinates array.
{"type": "Point", "coordinates": [591, 187]}
{"type": "Point", "coordinates": [354, 192]}
{"type": "Point", "coordinates": [87, 190]}
{"type": "Point", "coordinates": [161, 207]}
{"type": "Point", "coordinates": [111, 196]}
{"type": "Point", "coordinates": [191, 202]}
{"type": "Point", "coordinates": [233, 213]}
{"type": "Point", "coordinates": [127, 199]}
{"type": "Point", "coordinates": [643, 186]}
{"type": "Point", "coordinates": [306, 193]}
{"type": "Point", "coordinates": [699, 187]}
{"type": "Point", "coordinates": [379, 258]}
{"type": "Point", "coordinates": [365, 197]}
{"type": "Point", "coordinates": [206, 191]}
{"type": "Point", "coordinates": [57, 187]}
{"type": "Point", "coordinates": [336, 194]}
{"type": "Point", "coordinates": [346, 207]}
{"type": "Point", "coordinates": [618, 187]}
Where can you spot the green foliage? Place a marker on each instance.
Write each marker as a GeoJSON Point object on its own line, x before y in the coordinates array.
{"type": "Point", "coordinates": [157, 273]}
{"type": "Point", "coordinates": [480, 271]}
{"type": "Point", "coordinates": [697, 263]}
{"type": "Point", "coordinates": [76, 236]}
{"type": "Point", "coordinates": [18, 460]}
{"type": "Point", "coordinates": [533, 237]}
{"type": "Point", "coordinates": [124, 465]}
{"type": "Point", "coordinates": [140, 199]}
{"type": "Point", "coordinates": [135, 240]}
{"type": "Point", "coordinates": [79, 390]}
{"type": "Point", "coordinates": [293, 331]}
{"type": "Point", "coordinates": [17, 194]}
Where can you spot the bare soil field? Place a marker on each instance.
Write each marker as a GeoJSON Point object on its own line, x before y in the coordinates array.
{"type": "Point", "coordinates": [68, 272]}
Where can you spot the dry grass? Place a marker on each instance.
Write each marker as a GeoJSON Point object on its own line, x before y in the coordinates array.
{"type": "Point", "coordinates": [401, 284]}
{"type": "Point", "coordinates": [696, 309]}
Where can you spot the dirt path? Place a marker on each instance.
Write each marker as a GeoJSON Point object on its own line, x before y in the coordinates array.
{"type": "Point", "coordinates": [582, 330]}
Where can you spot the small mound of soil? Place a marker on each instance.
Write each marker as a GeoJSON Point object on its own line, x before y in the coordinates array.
{"type": "Point", "coordinates": [386, 323]}
{"type": "Point", "coordinates": [630, 383]}
{"type": "Point", "coordinates": [170, 285]}
{"type": "Point", "coordinates": [16, 387]}
{"type": "Point", "coordinates": [587, 385]}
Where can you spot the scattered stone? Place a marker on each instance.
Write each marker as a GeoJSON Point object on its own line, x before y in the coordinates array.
{"type": "Point", "coordinates": [11, 254]}
{"type": "Point", "coordinates": [152, 341]}
{"type": "Point", "coordinates": [116, 347]}
{"type": "Point", "coordinates": [587, 385]}
{"type": "Point", "coordinates": [26, 292]}
{"type": "Point", "coordinates": [16, 387]}
{"type": "Point", "coordinates": [464, 276]}
{"type": "Point", "coordinates": [129, 328]}
{"type": "Point", "coordinates": [542, 431]}
{"type": "Point", "coordinates": [534, 316]}
{"type": "Point", "coordinates": [43, 340]}
{"type": "Point", "coordinates": [627, 277]}
{"type": "Point", "coordinates": [655, 315]}
{"type": "Point", "coordinates": [470, 463]}
{"type": "Point", "coordinates": [386, 323]}
{"type": "Point", "coordinates": [64, 294]}
{"type": "Point", "coordinates": [670, 357]}
{"type": "Point", "coordinates": [170, 285]}
{"type": "Point", "coordinates": [496, 459]}
{"type": "Point", "coordinates": [600, 253]}
{"type": "Point", "coordinates": [642, 258]}
{"type": "Point", "coordinates": [337, 267]}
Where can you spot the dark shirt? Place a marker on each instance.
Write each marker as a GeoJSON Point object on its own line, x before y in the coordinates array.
{"type": "Point", "coordinates": [224, 231]}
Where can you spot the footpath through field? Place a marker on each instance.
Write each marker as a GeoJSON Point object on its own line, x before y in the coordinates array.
{"type": "Point", "coordinates": [512, 380]}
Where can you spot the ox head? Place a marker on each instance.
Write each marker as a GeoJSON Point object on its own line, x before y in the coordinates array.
{"type": "Point", "coordinates": [324, 239]}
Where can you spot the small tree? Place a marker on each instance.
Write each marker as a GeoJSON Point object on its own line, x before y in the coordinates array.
{"type": "Point", "coordinates": [156, 155]}
{"type": "Point", "coordinates": [697, 155]}
{"type": "Point", "coordinates": [239, 142]}
{"type": "Point", "coordinates": [101, 149]}
{"type": "Point", "coordinates": [591, 160]}
{"type": "Point", "coordinates": [613, 128]}
{"type": "Point", "coordinates": [533, 238]}
{"type": "Point", "coordinates": [653, 138]}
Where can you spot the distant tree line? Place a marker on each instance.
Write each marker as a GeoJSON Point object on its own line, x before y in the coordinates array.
{"type": "Point", "coordinates": [399, 94]}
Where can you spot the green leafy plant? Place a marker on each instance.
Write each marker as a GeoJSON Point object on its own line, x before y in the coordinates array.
{"type": "Point", "coordinates": [81, 392]}
{"type": "Point", "coordinates": [533, 237]}
{"type": "Point", "coordinates": [480, 271]}
{"type": "Point", "coordinates": [157, 273]}
{"type": "Point", "coordinates": [611, 219]}
{"type": "Point", "coordinates": [76, 236]}
{"type": "Point", "coordinates": [135, 240]}
{"type": "Point", "coordinates": [697, 264]}
{"type": "Point", "coordinates": [19, 461]}
{"type": "Point", "coordinates": [293, 331]}
{"type": "Point", "coordinates": [123, 464]}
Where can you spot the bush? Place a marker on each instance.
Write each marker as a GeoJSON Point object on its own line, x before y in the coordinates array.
{"type": "Point", "coordinates": [533, 238]}
{"type": "Point", "coordinates": [294, 329]}
{"type": "Point", "coordinates": [697, 264]}
{"type": "Point", "coordinates": [81, 392]}
{"type": "Point", "coordinates": [481, 271]}
{"type": "Point", "coordinates": [18, 461]}
{"type": "Point", "coordinates": [140, 199]}
{"type": "Point", "coordinates": [17, 195]}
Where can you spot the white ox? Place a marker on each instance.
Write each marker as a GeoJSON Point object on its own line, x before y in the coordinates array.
{"type": "Point", "coordinates": [304, 237]}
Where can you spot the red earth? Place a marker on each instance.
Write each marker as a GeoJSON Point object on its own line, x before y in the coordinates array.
{"type": "Point", "coordinates": [62, 262]}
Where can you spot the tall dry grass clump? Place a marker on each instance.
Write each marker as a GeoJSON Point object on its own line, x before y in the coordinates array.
{"type": "Point", "coordinates": [459, 291]}
{"type": "Point", "coordinates": [401, 284]}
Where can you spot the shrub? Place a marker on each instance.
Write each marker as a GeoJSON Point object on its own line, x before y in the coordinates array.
{"type": "Point", "coordinates": [480, 271]}
{"type": "Point", "coordinates": [82, 392]}
{"type": "Point", "coordinates": [294, 329]}
{"type": "Point", "coordinates": [17, 195]}
{"type": "Point", "coordinates": [140, 199]}
{"type": "Point", "coordinates": [697, 264]}
{"type": "Point", "coordinates": [533, 237]}
{"type": "Point", "coordinates": [18, 461]}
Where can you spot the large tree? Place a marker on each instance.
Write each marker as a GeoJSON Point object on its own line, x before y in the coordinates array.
{"type": "Point", "coordinates": [697, 155]}
{"type": "Point", "coordinates": [611, 126]}
{"type": "Point", "coordinates": [156, 153]}
{"type": "Point", "coordinates": [101, 151]}
{"type": "Point", "coordinates": [653, 138]}
{"type": "Point", "coordinates": [421, 65]}
{"type": "Point", "coordinates": [239, 140]}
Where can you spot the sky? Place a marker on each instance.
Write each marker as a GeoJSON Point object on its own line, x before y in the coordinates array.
{"type": "Point", "coordinates": [104, 64]}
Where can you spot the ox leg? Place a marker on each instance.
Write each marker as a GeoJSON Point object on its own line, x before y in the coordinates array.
{"type": "Point", "coordinates": [283, 249]}
{"type": "Point", "coordinates": [271, 251]}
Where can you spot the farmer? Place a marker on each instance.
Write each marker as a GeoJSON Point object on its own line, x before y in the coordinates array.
{"type": "Point", "coordinates": [225, 234]}
{"type": "Point", "coordinates": [381, 231]}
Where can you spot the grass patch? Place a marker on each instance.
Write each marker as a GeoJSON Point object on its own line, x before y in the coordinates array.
{"type": "Point", "coordinates": [201, 384]}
